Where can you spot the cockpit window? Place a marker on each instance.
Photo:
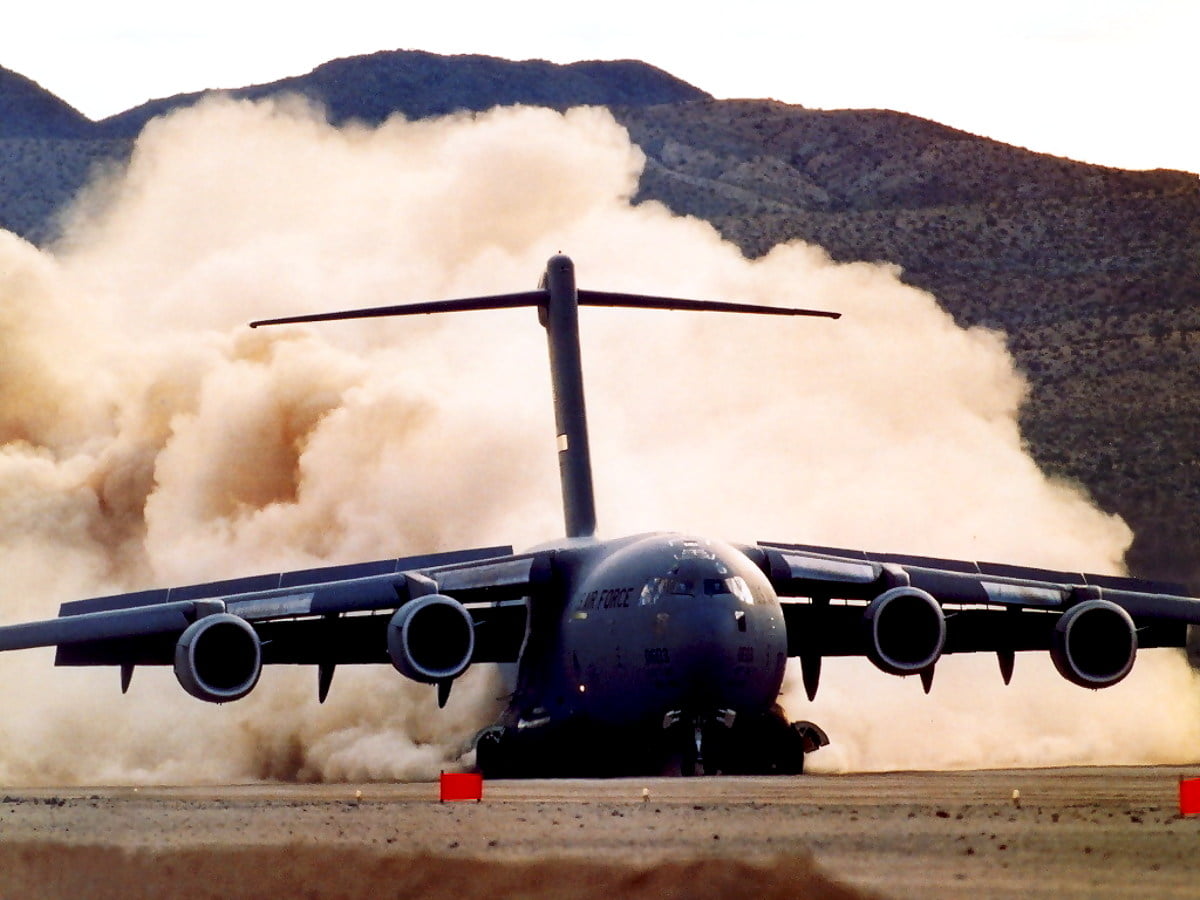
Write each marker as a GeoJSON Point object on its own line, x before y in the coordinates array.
{"type": "Point", "coordinates": [651, 592]}
{"type": "Point", "coordinates": [656, 588]}
{"type": "Point", "coordinates": [736, 586]}
{"type": "Point", "coordinates": [741, 590]}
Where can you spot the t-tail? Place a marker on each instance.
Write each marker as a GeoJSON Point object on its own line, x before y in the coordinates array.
{"type": "Point", "coordinates": [558, 300]}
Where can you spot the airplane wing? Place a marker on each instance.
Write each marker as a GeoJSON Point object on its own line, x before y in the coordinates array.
{"type": "Point", "coordinates": [430, 616]}
{"type": "Point", "coordinates": [904, 612]}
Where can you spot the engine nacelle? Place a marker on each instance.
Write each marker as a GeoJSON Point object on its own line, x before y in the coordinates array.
{"type": "Point", "coordinates": [218, 658]}
{"type": "Point", "coordinates": [431, 639]}
{"type": "Point", "coordinates": [906, 630]}
{"type": "Point", "coordinates": [1095, 644]}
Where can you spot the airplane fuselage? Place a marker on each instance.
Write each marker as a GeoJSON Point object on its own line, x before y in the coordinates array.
{"type": "Point", "coordinates": [654, 632]}
{"type": "Point", "coordinates": [671, 623]}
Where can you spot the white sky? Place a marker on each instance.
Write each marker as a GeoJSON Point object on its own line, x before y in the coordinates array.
{"type": "Point", "coordinates": [1104, 81]}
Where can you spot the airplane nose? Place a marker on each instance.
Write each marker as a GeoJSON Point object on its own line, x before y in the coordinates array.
{"type": "Point", "coordinates": [704, 640]}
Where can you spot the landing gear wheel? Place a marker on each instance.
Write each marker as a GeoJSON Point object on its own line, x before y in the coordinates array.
{"type": "Point", "coordinates": [770, 745]}
{"type": "Point", "coordinates": [490, 757]}
{"type": "Point", "coordinates": [812, 736]}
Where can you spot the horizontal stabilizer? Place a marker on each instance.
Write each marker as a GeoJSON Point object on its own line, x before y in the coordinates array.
{"type": "Point", "coordinates": [641, 301]}
{"type": "Point", "coordinates": [540, 298]}
{"type": "Point", "coordinates": [468, 304]}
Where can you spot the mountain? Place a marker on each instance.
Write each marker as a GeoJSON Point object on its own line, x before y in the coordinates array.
{"type": "Point", "coordinates": [37, 179]}
{"type": "Point", "coordinates": [417, 84]}
{"type": "Point", "coordinates": [27, 110]}
{"type": "Point", "coordinates": [1093, 273]}
{"type": "Point", "coordinates": [47, 150]}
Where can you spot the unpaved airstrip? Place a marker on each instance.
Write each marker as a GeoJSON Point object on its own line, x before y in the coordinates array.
{"type": "Point", "coordinates": [1080, 832]}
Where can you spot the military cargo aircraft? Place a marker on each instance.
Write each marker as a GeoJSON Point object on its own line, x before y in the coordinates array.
{"type": "Point", "coordinates": [640, 654]}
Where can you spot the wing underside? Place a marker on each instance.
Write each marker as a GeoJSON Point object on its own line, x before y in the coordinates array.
{"type": "Point", "coordinates": [988, 606]}
{"type": "Point", "coordinates": [906, 612]}
{"type": "Point", "coordinates": [328, 616]}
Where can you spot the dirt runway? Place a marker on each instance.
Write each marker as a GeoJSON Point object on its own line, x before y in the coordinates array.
{"type": "Point", "coordinates": [1081, 832]}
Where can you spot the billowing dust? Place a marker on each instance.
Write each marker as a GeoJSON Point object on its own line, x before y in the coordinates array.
{"type": "Point", "coordinates": [148, 437]}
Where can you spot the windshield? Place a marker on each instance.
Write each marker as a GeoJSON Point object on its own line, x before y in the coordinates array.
{"type": "Point", "coordinates": [658, 588]}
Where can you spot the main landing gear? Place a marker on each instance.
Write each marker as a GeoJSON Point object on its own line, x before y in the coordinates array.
{"type": "Point", "coordinates": [727, 744]}
{"type": "Point", "coordinates": [721, 742]}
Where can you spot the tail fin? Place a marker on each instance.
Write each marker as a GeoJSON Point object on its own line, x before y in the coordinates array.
{"type": "Point", "coordinates": [558, 302]}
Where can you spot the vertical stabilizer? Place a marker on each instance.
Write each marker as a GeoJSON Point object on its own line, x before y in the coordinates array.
{"type": "Point", "coordinates": [560, 316]}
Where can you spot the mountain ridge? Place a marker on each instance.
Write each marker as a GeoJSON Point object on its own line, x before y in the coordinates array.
{"type": "Point", "coordinates": [419, 85]}
{"type": "Point", "coordinates": [29, 110]}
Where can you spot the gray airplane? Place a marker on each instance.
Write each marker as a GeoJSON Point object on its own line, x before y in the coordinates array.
{"type": "Point", "coordinates": [642, 654]}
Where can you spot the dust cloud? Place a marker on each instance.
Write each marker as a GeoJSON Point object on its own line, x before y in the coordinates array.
{"type": "Point", "coordinates": [147, 437]}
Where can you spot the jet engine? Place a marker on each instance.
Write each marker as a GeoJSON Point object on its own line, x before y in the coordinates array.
{"type": "Point", "coordinates": [431, 639]}
{"type": "Point", "coordinates": [906, 630]}
{"type": "Point", "coordinates": [1095, 644]}
{"type": "Point", "coordinates": [218, 658]}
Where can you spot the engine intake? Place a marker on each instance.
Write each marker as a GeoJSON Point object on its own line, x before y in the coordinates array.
{"type": "Point", "coordinates": [906, 630]}
{"type": "Point", "coordinates": [218, 658]}
{"type": "Point", "coordinates": [1095, 644]}
{"type": "Point", "coordinates": [431, 639]}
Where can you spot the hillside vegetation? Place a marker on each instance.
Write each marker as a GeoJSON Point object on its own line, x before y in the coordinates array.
{"type": "Point", "coordinates": [1093, 273]}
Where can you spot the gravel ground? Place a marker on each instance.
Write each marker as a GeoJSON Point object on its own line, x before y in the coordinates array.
{"type": "Point", "coordinates": [1086, 832]}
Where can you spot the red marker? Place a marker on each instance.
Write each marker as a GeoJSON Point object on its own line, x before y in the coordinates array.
{"type": "Point", "coordinates": [461, 786]}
